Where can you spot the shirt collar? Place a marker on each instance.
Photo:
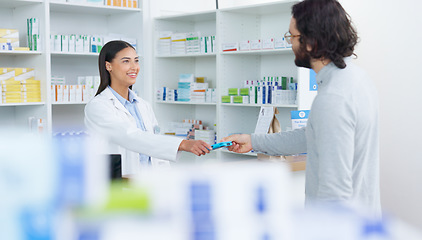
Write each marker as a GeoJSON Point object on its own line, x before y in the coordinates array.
{"type": "Point", "coordinates": [325, 71]}
{"type": "Point", "coordinates": [123, 101]}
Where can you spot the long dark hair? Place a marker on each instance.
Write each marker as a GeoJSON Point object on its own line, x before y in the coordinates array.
{"type": "Point", "coordinates": [107, 54]}
{"type": "Point", "coordinates": [327, 28]}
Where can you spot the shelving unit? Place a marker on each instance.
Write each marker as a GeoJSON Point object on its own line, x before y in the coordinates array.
{"type": "Point", "coordinates": [269, 20]}
{"type": "Point", "coordinates": [61, 18]}
{"type": "Point", "coordinates": [166, 72]}
{"type": "Point", "coordinates": [13, 15]}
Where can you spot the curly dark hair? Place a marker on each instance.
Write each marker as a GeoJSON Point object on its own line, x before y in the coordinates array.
{"type": "Point", "coordinates": [327, 28]}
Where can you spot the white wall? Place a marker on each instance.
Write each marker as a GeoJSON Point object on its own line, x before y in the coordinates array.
{"type": "Point", "coordinates": [390, 51]}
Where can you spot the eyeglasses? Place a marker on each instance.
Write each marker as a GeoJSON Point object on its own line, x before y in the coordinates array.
{"type": "Point", "coordinates": [288, 36]}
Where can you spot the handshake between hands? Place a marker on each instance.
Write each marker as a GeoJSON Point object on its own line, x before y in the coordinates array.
{"type": "Point", "coordinates": [239, 143]}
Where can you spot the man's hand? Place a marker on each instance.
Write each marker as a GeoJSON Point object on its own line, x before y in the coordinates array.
{"type": "Point", "coordinates": [197, 147]}
{"type": "Point", "coordinates": [242, 143]}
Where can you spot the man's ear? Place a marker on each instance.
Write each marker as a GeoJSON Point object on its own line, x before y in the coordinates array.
{"type": "Point", "coordinates": [309, 47]}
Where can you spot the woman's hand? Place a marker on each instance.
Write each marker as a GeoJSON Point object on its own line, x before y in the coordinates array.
{"type": "Point", "coordinates": [242, 143]}
{"type": "Point", "coordinates": [197, 147]}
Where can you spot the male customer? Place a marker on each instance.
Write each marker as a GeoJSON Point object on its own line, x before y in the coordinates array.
{"type": "Point", "coordinates": [341, 136]}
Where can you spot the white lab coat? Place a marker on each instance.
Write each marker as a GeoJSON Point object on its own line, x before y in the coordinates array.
{"type": "Point", "coordinates": [107, 117]}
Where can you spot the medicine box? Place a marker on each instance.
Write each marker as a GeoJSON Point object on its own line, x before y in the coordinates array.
{"type": "Point", "coordinates": [256, 44]}
{"type": "Point", "coordinates": [244, 45]}
{"type": "Point", "coordinates": [229, 47]}
{"type": "Point", "coordinates": [268, 43]}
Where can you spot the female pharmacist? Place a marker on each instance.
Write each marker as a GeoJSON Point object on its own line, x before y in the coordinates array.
{"type": "Point", "coordinates": [125, 121]}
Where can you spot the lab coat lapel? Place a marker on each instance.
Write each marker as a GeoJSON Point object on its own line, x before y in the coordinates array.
{"type": "Point", "coordinates": [117, 104]}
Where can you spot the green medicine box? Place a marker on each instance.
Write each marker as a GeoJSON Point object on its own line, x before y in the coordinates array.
{"type": "Point", "coordinates": [238, 99]}
{"type": "Point", "coordinates": [225, 99]}
{"type": "Point", "coordinates": [233, 91]}
{"type": "Point", "coordinates": [244, 92]}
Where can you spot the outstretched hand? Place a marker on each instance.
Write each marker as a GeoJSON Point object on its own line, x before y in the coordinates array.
{"type": "Point", "coordinates": [242, 143]}
{"type": "Point", "coordinates": [197, 147]}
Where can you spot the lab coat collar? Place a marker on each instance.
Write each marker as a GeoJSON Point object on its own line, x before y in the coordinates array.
{"type": "Point", "coordinates": [109, 95]}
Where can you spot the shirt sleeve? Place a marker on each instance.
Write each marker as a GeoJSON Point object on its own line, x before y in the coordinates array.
{"type": "Point", "coordinates": [100, 118]}
{"type": "Point", "coordinates": [333, 126]}
{"type": "Point", "coordinates": [280, 144]}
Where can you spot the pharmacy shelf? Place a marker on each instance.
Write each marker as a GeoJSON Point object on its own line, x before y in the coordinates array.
{"type": "Point", "coordinates": [18, 3]}
{"type": "Point", "coordinates": [74, 54]}
{"type": "Point", "coordinates": [263, 9]}
{"type": "Point", "coordinates": [69, 103]}
{"type": "Point", "coordinates": [187, 55]}
{"type": "Point", "coordinates": [191, 17]}
{"type": "Point", "coordinates": [61, 18]}
{"type": "Point", "coordinates": [88, 19]}
{"type": "Point", "coordinates": [186, 103]}
{"type": "Point", "coordinates": [261, 52]}
{"type": "Point", "coordinates": [14, 15]}
{"type": "Point", "coordinates": [21, 104]}
{"type": "Point", "coordinates": [259, 105]}
{"type": "Point", "coordinates": [167, 68]}
{"type": "Point", "coordinates": [89, 9]}
{"type": "Point", "coordinates": [230, 25]}
{"type": "Point", "coordinates": [20, 53]}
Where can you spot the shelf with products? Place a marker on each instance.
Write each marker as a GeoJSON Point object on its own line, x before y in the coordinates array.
{"type": "Point", "coordinates": [186, 103]}
{"type": "Point", "coordinates": [89, 54]}
{"type": "Point", "coordinates": [69, 103]}
{"type": "Point", "coordinates": [70, 7]}
{"type": "Point", "coordinates": [258, 23]}
{"type": "Point", "coordinates": [21, 104]}
{"type": "Point", "coordinates": [31, 94]}
{"type": "Point", "coordinates": [19, 53]}
{"type": "Point", "coordinates": [169, 65]}
{"type": "Point", "coordinates": [19, 3]}
{"type": "Point", "coordinates": [84, 23]}
{"type": "Point", "coordinates": [283, 51]}
{"type": "Point", "coordinates": [260, 105]}
{"type": "Point", "coordinates": [187, 55]}
{"type": "Point", "coordinates": [232, 69]}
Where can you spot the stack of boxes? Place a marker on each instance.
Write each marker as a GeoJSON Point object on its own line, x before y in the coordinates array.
{"type": "Point", "coordinates": [192, 129]}
{"type": "Point", "coordinates": [170, 43]}
{"type": "Point", "coordinates": [190, 89]}
{"type": "Point", "coordinates": [164, 43]}
{"type": "Point", "coordinates": [208, 44]}
{"type": "Point", "coordinates": [270, 90]}
{"type": "Point", "coordinates": [18, 85]}
{"type": "Point", "coordinates": [83, 91]}
{"type": "Point", "coordinates": [193, 43]}
{"type": "Point", "coordinates": [9, 39]}
{"type": "Point", "coordinates": [113, 3]}
{"type": "Point", "coordinates": [207, 136]}
{"type": "Point", "coordinates": [236, 95]}
{"type": "Point", "coordinates": [121, 3]}
{"type": "Point", "coordinates": [81, 43]}
{"type": "Point", "coordinates": [178, 43]}
{"type": "Point", "coordinates": [256, 44]}
{"type": "Point", "coordinates": [75, 43]}
{"type": "Point", "coordinates": [33, 34]}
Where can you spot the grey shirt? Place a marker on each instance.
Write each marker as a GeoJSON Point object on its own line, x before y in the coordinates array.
{"type": "Point", "coordinates": [341, 139]}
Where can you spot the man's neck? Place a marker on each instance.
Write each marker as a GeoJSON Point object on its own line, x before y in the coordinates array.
{"type": "Point", "coordinates": [318, 64]}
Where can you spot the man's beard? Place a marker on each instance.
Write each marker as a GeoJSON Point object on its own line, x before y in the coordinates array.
{"type": "Point", "coordinates": [302, 58]}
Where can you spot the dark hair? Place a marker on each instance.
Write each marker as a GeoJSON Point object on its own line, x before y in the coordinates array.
{"type": "Point", "coordinates": [107, 54]}
{"type": "Point", "coordinates": [327, 28]}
